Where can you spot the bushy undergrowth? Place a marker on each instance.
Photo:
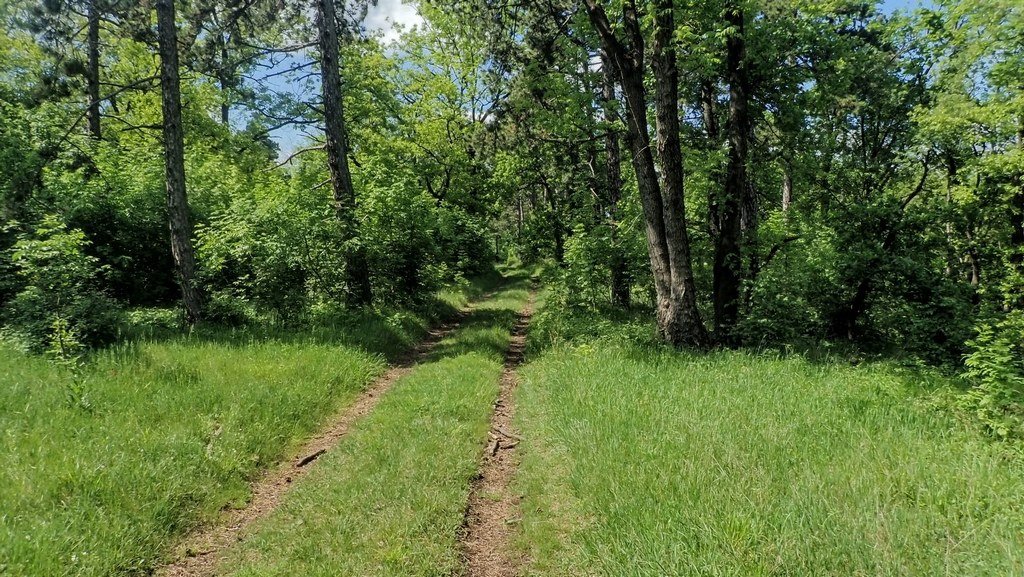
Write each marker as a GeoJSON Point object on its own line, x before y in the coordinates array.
{"type": "Point", "coordinates": [995, 369]}
{"type": "Point", "coordinates": [59, 296]}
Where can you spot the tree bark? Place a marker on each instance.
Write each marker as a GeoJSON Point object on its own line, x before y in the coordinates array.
{"type": "Point", "coordinates": [92, 76]}
{"type": "Point", "coordinates": [174, 161]}
{"type": "Point", "coordinates": [620, 281]}
{"type": "Point", "coordinates": [357, 274]}
{"type": "Point", "coordinates": [734, 210]}
{"type": "Point", "coordinates": [683, 323]}
{"type": "Point", "coordinates": [787, 185]}
{"type": "Point", "coordinates": [679, 320]}
{"type": "Point", "coordinates": [224, 79]}
{"type": "Point", "coordinates": [1017, 214]}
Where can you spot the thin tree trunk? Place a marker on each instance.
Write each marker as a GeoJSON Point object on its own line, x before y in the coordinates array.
{"type": "Point", "coordinates": [713, 134]}
{"type": "Point", "coordinates": [224, 79]}
{"type": "Point", "coordinates": [357, 272]}
{"type": "Point", "coordinates": [1017, 214]}
{"type": "Point", "coordinates": [619, 274]}
{"type": "Point", "coordinates": [92, 77]}
{"type": "Point", "coordinates": [174, 161]}
{"type": "Point", "coordinates": [951, 170]}
{"type": "Point", "coordinates": [787, 186]}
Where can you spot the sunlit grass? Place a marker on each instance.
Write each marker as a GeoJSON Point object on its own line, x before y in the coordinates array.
{"type": "Point", "coordinates": [169, 431]}
{"type": "Point", "coordinates": [390, 498]}
{"type": "Point", "coordinates": [640, 461]}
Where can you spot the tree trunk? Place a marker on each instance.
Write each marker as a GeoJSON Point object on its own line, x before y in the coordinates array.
{"type": "Point", "coordinates": [557, 227]}
{"type": "Point", "coordinates": [92, 76]}
{"type": "Point", "coordinates": [679, 320]}
{"type": "Point", "coordinates": [174, 161]}
{"type": "Point", "coordinates": [733, 209]}
{"type": "Point", "coordinates": [619, 274]}
{"type": "Point", "coordinates": [787, 186]}
{"type": "Point", "coordinates": [683, 323]}
{"type": "Point", "coordinates": [1017, 214]}
{"type": "Point", "coordinates": [224, 79]}
{"type": "Point", "coordinates": [357, 274]}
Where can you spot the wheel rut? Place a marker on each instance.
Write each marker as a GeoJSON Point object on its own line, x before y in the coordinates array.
{"type": "Point", "coordinates": [493, 508]}
{"type": "Point", "coordinates": [199, 553]}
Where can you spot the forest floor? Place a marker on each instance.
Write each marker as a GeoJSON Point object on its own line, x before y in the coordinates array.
{"type": "Point", "coordinates": [603, 454]}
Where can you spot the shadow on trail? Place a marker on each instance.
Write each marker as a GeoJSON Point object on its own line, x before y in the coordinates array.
{"type": "Point", "coordinates": [483, 332]}
{"type": "Point", "coordinates": [387, 332]}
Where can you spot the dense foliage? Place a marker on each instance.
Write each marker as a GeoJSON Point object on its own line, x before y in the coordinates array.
{"type": "Point", "coordinates": [849, 174]}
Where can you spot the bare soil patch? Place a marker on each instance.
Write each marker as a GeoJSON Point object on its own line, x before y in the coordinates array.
{"type": "Point", "coordinates": [493, 509]}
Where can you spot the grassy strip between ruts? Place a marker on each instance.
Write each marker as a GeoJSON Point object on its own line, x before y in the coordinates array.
{"type": "Point", "coordinates": [98, 478]}
{"type": "Point", "coordinates": [390, 499]}
{"type": "Point", "coordinates": [643, 461]}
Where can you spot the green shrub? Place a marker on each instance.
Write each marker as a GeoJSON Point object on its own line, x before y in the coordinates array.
{"type": "Point", "coordinates": [995, 367]}
{"type": "Point", "coordinates": [61, 289]}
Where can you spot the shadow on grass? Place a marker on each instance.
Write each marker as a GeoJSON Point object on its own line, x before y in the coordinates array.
{"type": "Point", "coordinates": [635, 328]}
{"type": "Point", "coordinates": [389, 332]}
{"type": "Point", "coordinates": [483, 332]}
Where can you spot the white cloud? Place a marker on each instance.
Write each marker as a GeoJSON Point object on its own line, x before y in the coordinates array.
{"type": "Point", "coordinates": [391, 18]}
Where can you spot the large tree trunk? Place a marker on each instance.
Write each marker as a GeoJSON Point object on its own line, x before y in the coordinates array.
{"type": "Point", "coordinates": [92, 75]}
{"type": "Point", "coordinates": [683, 323]}
{"type": "Point", "coordinates": [174, 161]}
{"type": "Point", "coordinates": [357, 272]}
{"type": "Point", "coordinates": [613, 185]}
{"type": "Point", "coordinates": [734, 209]}
{"type": "Point", "coordinates": [679, 320]}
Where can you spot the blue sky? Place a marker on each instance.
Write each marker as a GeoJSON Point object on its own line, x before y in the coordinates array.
{"type": "Point", "coordinates": [892, 5]}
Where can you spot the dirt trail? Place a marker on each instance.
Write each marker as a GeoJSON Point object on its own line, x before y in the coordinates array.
{"type": "Point", "coordinates": [199, 553]}
{"type": "Point", "coordinates": [493, 507]}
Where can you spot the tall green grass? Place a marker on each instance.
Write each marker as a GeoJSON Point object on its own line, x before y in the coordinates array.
{"type": "Point", "coordinates": [390, 499]}
{"type": "Point", "coordinates": [641, 461]}
{"type": "Point", "coordinates": [101, 471]}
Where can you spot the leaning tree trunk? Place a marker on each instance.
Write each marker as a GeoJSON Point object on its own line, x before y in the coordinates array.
{"type": "Point", "coordinates": [92, 72]}
{"type": "Point", "coordinates": [357, 273]}
{"type": "Point", "coordinates": [613, 187]}
{"type": "Point", "coordinates": [679, 320]}
{"type": "Point", "coordinates": [174, 161]}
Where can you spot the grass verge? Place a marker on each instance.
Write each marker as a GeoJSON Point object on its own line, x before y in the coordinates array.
{"type": "Point", "coordinates": [642, 461]}
{"type": "Point", "coordinates": [390, 499]}
{"type": "Point", "coordinates": [101, 470]}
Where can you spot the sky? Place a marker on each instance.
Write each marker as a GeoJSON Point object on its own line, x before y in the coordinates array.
{"type": "Point", "coordinates": [386, 15]}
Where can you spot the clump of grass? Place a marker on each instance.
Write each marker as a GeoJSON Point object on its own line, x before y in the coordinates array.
{"type": "Point", "coordinates": [390, 499]}
{"type": "Point", "coordinates": [642, 461]}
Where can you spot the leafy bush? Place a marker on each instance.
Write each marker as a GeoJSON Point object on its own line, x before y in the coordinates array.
{"type": "Point", "coordinates": [61, 294]}
{"type": "Point", "coordinates": [995, 366]}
